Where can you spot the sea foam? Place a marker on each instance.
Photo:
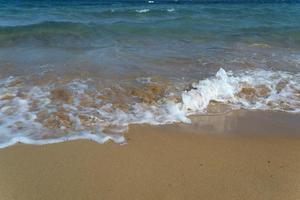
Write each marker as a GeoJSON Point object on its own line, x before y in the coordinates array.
{"type": "Point", "coordinates": [143, 10]}
{"type": "Point", "coordinates": [31, 114]}
{"type": "Point", "coordinates": [257, 89]}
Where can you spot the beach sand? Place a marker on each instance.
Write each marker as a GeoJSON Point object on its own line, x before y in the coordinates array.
{"type": "Point", "coordinates": [246, 155]}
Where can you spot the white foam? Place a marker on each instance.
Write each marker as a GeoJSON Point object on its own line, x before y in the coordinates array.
{"type": "Point", "coordinates": [171, 10]}
{"type": "Point", "coordinates": [142, 10]}
{"type": "Point", "coordinates": [225, 88]}
{"type": "Point", "coordinates": [18, 121]}
{"type": "Point", "coordinates": [80, 136]}
{"type": "Point", "coordinates": [220, 88]}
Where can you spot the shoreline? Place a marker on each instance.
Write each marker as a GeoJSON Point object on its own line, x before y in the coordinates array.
{"type": "Point", "coordinates": [162, 162]}
{"type": "Point", "coordinates": [149, 100]}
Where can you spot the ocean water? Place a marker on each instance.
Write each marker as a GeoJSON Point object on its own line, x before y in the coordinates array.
{"type": "Point", "coordinates": [88, 69]}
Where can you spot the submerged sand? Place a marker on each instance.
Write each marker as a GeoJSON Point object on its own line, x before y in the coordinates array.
{"type": "Point", "coordinates": [166, 162]}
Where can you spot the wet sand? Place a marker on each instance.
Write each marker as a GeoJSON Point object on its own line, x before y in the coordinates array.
{"type": "Point", "coordinates": [217, 157]}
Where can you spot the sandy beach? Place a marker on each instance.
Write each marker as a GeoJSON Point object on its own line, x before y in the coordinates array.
{"type": "Point", "coordinates": [150, 100]}
{"type": "Point", "coordinates": [166, 162]}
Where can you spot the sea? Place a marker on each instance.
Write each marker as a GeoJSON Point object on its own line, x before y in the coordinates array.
{"type": "Point", "coordinates": [78, 69]}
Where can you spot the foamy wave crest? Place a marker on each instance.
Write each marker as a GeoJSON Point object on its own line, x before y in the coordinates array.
{"type": "Point", "coordinates": [54, 113]}
{"type": "Point", "coordinates": [258, 89]}
{"type": "Point", "coordinates": [171, 10]}
{"type": "Point", "coordinates": [143, 10]}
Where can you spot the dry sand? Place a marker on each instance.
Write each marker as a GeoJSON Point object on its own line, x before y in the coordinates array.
{"type": "Point", "coordinates": [167, 162]}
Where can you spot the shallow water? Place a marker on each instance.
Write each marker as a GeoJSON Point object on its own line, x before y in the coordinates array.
{"type": "Point", "coordinates": [77, 69]}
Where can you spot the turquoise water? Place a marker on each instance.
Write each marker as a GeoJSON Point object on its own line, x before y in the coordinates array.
{"type": "Point", "coordinates": [87, 69]}
{"type": "Point", "coordinates": [127, 36]}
